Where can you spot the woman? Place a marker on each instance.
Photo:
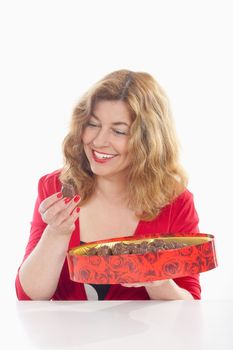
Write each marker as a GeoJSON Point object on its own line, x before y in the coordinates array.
{"type": "Point", "coordinates": [121, 155]}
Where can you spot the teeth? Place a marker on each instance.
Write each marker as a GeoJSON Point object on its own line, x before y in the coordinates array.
{"type": "Point", "coordinates": [103, 156]}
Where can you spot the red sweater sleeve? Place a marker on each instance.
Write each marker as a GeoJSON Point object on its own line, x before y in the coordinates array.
{"type": "Point", "coordinates": [184, 218]}
{"type": "Point", "coordinates": [47, 185]}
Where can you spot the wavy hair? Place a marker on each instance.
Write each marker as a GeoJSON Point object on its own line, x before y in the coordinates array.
{"type": "Point", "coordinates": [155, 176]}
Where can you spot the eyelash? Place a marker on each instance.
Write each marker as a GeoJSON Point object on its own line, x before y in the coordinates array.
{"type": "Point", "coordinates": [97, 126]}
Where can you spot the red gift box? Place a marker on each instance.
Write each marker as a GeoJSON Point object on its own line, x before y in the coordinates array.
{"type": "Point", "coordinates": [198, 255]}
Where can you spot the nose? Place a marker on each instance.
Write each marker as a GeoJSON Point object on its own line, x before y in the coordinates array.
{"type": "Point", "coordinates": [101, 139]}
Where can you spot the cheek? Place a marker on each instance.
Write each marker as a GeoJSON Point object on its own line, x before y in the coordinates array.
{"type": "Point", "coordinates": [87, 137]}
{"type": "Point", "coordinates": [123, 148]}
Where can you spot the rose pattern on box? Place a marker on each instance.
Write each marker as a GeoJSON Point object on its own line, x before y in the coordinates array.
{"type": "Point", "coordinates": [151, 266]}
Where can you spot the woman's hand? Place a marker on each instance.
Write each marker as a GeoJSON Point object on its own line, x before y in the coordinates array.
{"type": "Point", "coordinates": [60, 213]}
{"type": "Point", "coordinates": [163, 290]}
{"type": "Point", "coordinates": [145, 284]}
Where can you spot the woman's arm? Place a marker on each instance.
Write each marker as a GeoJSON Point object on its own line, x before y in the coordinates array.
{"type": "Point", "coordinates": [39, 273]}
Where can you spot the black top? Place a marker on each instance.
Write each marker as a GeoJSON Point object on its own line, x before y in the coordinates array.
{"type": "Point", "coordinates": [101, 289]}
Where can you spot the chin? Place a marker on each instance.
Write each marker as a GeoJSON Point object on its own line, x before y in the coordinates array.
{"type": "Point", "coordinates": [110, 173]}
{"type": "Point", "coordinates": [103, 173]}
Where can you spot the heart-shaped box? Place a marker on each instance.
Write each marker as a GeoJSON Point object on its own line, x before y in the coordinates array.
{"type": "Point", "coordinates": [197, 255]}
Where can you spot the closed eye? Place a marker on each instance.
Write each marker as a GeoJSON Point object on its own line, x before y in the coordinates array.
{"type": "Point", "coordinates": [93, 124]}
{"type": "Point", "coordinates": [118, 132]}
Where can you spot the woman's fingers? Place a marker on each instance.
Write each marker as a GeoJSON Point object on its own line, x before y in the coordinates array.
{"type": "Point", "coordinates": [48, 202]}
{"type": "Point", "coordinates": [68, 224]}
{"type": "Point", "coordinates": [144, 284]}
{"type": "Point", "coordinates": [66, 213]}
{"type": "Point", "coordinates": [55, 210]}
{"type": "Point", "coordinates": [62, 215]}
{"type": "Point", "coordinates": [129, 285]}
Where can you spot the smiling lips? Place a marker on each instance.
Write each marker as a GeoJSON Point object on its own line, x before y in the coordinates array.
{"type": "Point", "coordinates": [102, 157]}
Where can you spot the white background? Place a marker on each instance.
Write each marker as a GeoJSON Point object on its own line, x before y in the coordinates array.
{"type": "Point", "coordinates": [52, 51]}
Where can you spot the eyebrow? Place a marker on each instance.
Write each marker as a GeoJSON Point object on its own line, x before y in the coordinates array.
{"type": "Point", "coordinates": [116, 123]}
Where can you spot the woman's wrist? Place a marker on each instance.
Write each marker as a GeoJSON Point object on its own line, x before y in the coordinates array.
{"type": "Point", "coordinates": [52, 240]}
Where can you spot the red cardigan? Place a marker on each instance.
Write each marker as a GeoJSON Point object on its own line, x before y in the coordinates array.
{"type": "Point", "coordinates": [179, 216]}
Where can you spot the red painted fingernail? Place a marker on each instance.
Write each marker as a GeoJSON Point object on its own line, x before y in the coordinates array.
{"type": "Point", "coordinates": [67, 200]}
{"type": "Point", "coordinates": [59, 195]}
{"type": "Point", "coordinates": [76, 198]}
{"type": "Point", "coordinates": [78, 210]}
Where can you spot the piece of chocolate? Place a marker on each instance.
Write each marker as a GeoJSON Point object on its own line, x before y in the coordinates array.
{"type": "Point", "coordinates": [132, 248]}
{"type": "Point", "coordinates": [135, 248]}
{"type": "Point", "coordinates": [92, 251]}
{"type": "Point", "coordinates": [157, 243]}
{"type": "Point", "coordinates": [104, 250]}
{"type": "Point", "coordinates": [120, 248]}
{"type": "Point", "coordinates": [68, 190]}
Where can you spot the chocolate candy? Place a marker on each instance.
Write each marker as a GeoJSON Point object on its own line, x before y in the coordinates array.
{"type": "Point", "coordinates": [120, 248]}
{"type": "Point", "coordinates": [92, 251]}
{"type": "Point", "coordinates": [135, 248]}
{"type": "Point", "coordinates": [68, 190]}
{"type": "Point", "coordinates": [104, 250]}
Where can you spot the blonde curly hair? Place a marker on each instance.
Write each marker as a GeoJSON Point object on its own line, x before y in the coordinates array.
{"type": "Point", "coordinates": [155, 176]}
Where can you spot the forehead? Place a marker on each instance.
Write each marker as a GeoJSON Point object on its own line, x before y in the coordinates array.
{"type": "Point", "coordinates": [112, 111]}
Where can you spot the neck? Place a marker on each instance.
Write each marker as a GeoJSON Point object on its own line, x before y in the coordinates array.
{"type": "Point", "coordinates": [112, 190]}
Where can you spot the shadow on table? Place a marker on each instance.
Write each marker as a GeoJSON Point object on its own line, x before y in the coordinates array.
{"type": "Point", "coordinates": [74, 324]}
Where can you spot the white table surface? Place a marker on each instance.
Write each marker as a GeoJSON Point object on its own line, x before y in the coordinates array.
{"type": "Point", "coordinates": [117, 324]}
